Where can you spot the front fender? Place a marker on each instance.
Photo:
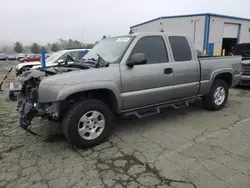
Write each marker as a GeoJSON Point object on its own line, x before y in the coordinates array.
{"type": "Point", "coordinates": [72, 89]}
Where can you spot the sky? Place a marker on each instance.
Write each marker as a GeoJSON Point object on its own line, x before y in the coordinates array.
{"type": "Point", "coordinates": [48, 20]}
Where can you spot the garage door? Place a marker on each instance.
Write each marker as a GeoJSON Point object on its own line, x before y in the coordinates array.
{"type": "Point", "coordinates": [230, 30]}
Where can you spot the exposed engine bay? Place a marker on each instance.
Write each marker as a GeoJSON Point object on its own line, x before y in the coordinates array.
{"type": "Point", "coordinates": [28, 105]}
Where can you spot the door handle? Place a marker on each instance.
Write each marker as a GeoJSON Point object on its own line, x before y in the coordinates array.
{"type": "Point", "coordinates": [168, 71]}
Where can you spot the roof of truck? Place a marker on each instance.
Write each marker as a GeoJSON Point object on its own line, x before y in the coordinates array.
{"type": "Point", "coordinates": [151, 33]}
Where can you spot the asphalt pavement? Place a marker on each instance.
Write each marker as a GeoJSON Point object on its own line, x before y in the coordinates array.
{"type": "Point", "coordinates": [185, 148]}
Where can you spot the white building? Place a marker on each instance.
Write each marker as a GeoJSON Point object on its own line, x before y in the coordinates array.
{"type": "Point", "coordinates": [210, 33]}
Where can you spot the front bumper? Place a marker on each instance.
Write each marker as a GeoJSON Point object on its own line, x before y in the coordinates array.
{"type": "Point", "coordinates": [245, 80]}
{"type": "Point", "coordinates": [237, 79]}
{"type": "Point", "coordinates": [28, 111]}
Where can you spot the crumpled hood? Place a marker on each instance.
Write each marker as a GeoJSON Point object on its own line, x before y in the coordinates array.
{"type": "Point", "coordinates": [31, 74]}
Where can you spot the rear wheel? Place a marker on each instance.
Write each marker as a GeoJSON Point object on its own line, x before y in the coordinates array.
{"type": "Point", "coordinates": [87, 123]}
{"type": "Point", "coordinates": [217, 97]}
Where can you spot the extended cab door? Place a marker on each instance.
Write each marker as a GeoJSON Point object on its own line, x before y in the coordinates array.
{"type": "Point", "coordinates": [150, 83]}
{"type": "Point", "coordinates": [186, 67]}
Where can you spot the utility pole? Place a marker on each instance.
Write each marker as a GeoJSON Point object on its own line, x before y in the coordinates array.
{"type": "Point", "coordinates": [81, 37]}
{"type": "Point", "coordinates": [161, 25]}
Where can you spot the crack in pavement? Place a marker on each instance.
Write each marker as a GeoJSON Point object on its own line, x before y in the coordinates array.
{"type": "Point", "coordinates": [26, 161]}
{"type": "Point", "coordinates": [131, 170]}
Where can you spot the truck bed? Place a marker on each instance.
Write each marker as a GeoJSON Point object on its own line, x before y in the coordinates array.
{"type": "Point", "coordinates": [213, 65]}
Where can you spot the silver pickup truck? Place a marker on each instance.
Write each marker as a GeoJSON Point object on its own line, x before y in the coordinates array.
{"type": "Point", "coordinates": [135, 74]}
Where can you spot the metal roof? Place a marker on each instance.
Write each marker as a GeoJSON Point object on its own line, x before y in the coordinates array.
{"type": "Point", "coordinates": [191, 15]}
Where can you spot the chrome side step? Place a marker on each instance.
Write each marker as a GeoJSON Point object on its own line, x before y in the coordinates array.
{"type": "Point", "coordinates": [157, 109]}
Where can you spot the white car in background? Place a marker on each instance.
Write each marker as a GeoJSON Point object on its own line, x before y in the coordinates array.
{"type": "Point", "coordinates": [20, 56]}
{"type": "Point", "coordinates": [53, 60]}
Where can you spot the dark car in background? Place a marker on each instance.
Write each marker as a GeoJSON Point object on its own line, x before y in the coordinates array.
{"type": "Point", "coordinates": [243, 50]}
{"type": "Point", "coordinates": [3, 57]}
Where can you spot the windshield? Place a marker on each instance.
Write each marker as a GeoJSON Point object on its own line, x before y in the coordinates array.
{"type": "Point", "coordinates": [53, 56]}
{"type": "Point", "coordinates": [110, 49]}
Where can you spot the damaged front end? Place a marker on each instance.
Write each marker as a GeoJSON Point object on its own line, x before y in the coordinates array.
{"type": "Point", "coordinates": [28, 100]}
{"type": "Point", "coordinates": [28, 106]}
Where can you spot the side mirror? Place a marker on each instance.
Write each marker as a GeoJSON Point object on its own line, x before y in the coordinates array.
{"type": "Point", "coordinates": [137, 59]}
{"type": "Point", "coordinates": [60, 61]}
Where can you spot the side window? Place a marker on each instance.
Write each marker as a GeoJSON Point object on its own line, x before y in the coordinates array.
{"type": "Point", "coordinates": [180, 48]}
{"type": "Point", "coordinates": [74, 55]}
{"type": "Point", "coordinates": [80, 54]}
{"type": "Point", "coordinates": [62, 58]}
{"type": "Point", "coordinates": [154, 48]}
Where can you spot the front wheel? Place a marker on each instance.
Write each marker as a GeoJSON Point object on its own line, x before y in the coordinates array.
{"type": "Point", "coordinates": [87, 123]}
{"type": "Point", "coordinates": [217, 97]}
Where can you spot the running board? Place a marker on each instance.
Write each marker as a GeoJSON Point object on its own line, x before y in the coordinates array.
{"type": "Point", "coordinates": [157, 109]}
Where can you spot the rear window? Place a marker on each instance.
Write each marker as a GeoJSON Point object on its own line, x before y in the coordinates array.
{"type": "Point", "coordinates": [180, 48]}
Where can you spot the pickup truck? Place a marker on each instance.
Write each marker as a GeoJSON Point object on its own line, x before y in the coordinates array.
{"type": "Point", "coordinates": [135, 74]}
{"type": "Point", "coordinates": [243, 50]}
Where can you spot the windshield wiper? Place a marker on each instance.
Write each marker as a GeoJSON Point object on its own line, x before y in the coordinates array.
{"type": "Point", "coordinates": [101, 62]}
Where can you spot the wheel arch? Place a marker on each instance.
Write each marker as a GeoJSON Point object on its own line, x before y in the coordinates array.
{"type": "Point", "coordinates": [105, 91]}
{"type": "Point", "coordinates": [223, 74]}
{"type": "Point", "coordinates": [105, 95]}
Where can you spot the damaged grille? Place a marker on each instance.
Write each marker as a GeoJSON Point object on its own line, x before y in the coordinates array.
{"type": "Point", "coordinates": [29, 90]}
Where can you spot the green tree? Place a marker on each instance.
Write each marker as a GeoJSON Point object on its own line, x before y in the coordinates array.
{"type": "Point", "coordinates": [62, 44]}
{"type": "Point", "coordinates": [90, 46]}
{"type": "Point", "coordinates": [54, 47]}
{"type": "Point", "coordinates": [18, 47]}
{"type": "Point", "coordinates": [70, 44]}
{"type": "Point", "coordinates": [44, 48]}
{"type": "Point", "coordinates": [48, 46]}
{"type": "Point", "coordinates": [35, 48]}
{"type": "Point", "coordinates": [104, 37]}
{"type": "Point", "coordinates": [77, 44]}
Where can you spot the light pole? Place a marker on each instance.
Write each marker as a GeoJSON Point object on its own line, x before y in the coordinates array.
{"type": "Point", "coordinates": [81, 37]}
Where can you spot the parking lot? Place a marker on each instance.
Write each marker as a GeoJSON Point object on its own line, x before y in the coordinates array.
{"type": "Point", "coordinates": [185, 148]}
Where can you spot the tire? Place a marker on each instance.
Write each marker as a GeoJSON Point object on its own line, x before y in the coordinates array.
{"type": "Point", "coordinates": [70, 123]}
{"type": "Point", "coordinates": [209, 100]}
